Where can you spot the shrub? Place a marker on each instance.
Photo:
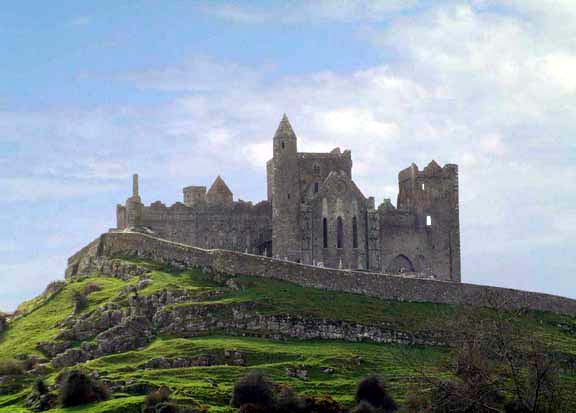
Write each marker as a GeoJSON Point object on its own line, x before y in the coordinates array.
{"type": "Point", "coordinates": [80, 301]}
{"type": "Point", "coordinates": [79, 388]}
{"type": "Point", "coordinates": [27, 361]}
{"type": "Point", "coordinates": [54, 287]}
{"type": "Point", "coordinates": [3, 322]}
{"type": "Point", "coordinates": [323, 404]}
{"type": "Point", "coordinates": [91, 288]}
{"type": "Point", "coordinates": [40, 399]}
{"type": "Point", "coordinates": [288, 401]}
{"type": "Point", "coordinates": [155, 398]}
{"type": "Point", "coordinates": [371, 390]}
{"type": "Point", "coordinates": [364, 407]}
{"type": "Point", "coordinates": [516, 406]}
{"type": "Point", "coordinates": [253, 388]}
{"type": "Point", "coordinates": [253, 408]}
{"type": "Point", "coordinates": [39, 386]}
{"type": "Point", "coordinates": [11, 367]}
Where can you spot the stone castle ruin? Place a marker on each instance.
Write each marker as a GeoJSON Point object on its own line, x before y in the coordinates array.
{"type": "Point", "coordinates": [315, 214]}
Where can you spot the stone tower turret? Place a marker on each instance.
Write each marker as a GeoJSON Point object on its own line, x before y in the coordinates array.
{"type": "Point", "coordinates": [285, 193]}
{"type": "Point", "coordinates": [134, 205]}
{"type": "Point", "coordinates": [432, 195]}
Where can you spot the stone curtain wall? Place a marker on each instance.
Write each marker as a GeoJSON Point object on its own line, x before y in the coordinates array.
{"type": "Point", "coordinates": [388, 287]}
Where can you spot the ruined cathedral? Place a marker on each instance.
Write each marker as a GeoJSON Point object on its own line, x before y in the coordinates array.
{"type": "Point", "coordinates": [316, 215]}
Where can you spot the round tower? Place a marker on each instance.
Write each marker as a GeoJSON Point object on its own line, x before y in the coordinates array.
{"type": "Point", "coordinates": [285, 194]}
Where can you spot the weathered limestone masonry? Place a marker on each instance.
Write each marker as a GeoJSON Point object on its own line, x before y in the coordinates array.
{"type": "Point", "coordinates": [389, 287]}
{"type": "Point", "coordinates": [315, 214]}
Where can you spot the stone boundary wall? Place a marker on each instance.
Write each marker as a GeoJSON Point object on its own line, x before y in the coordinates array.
{"type": "Point", "coordinates": [383, 286]}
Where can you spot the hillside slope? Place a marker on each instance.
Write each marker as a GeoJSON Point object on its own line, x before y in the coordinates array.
{"type": "Point", "coordinates": [144, 325]}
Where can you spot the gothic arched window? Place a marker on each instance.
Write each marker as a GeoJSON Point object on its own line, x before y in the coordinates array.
{"type": "Point", "coordinates": [325, 232]}
{"type": "Point", "coordinates": [354, 233]}
{"type": "Point", "coordinates": [316, 169]}
{"type": "Point", "coordinates": [339, 232]}
{"type": "Point", "coordinates": [316, 187]}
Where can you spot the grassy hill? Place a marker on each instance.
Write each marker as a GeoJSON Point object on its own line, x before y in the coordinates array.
{"type": "Point", "coordinates": [225, 326]}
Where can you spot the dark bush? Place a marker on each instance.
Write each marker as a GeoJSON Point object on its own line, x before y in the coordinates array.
{"type": "Point", "coordinates": [155, 398]}
{"type": "Point", "coordinates": [91, 288]}
{"type": "Point", "coordinates": [322, 404]}
{"type": "Point", "coordinates": [167, 408]}
{"type": "Point", "coordinates": [11, 367]}
{"type": "Point", "coordinates": [54, 287]}
{"type": "Point", "coordinates": [3, 322]}
{"type": "Point", "coordinates": [40, 399]}
{"type": "Point", "coordinates": [39, 386]}
{"type": "Point", "coordinates": [80, 301]}
{"type": "Point", "coordinates": [372, 391]}
{"type": "Point", "coordinates": [516, 406]}
{"type": "Point", "coordinates": [288, 401]}
{"type": "Point", "coordinates": [79, 388]}
{"type": "Point", "coordinates": [254, 408]}
{"type": "Point", "coordinates": [27, 361]}
{"type": "Point", "coordinates": [364, 407]}
{"type": "Point", "coordinates": [253, 388]}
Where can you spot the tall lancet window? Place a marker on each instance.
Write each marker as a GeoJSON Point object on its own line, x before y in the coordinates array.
{"type": "Point", "coordinates": [354, 233]}
{"type": "Point", "coordinates": [325, 232]}
{"type": "Point", "coordinates": [339, 232]}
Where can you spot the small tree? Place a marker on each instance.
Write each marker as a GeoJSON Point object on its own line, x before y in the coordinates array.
{"type": "Point", "coordinates": [492, 357]}
{"type": "Point", "coordinates": [79, 388]}
{"type": "Point", "coordinates": [372, 390]}
{"type": "Point", "coordinates": [40, 399]}
{"type": "Point", "coordinates": [155, 399]}
{"type": "Point", "coordinates": [3, 322]}
{"type": "Point", "coordinates": [288, 401]}
{"type": "Point", "coordinates": [39, 386]}
{"type": "Point", "coordinates": [80, 301]}
{"type": "Point", "coordinates": [253, 388]}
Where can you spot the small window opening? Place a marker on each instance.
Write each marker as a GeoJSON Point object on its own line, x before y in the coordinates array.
{"type": "Point", "coordinates": [288, 196]}
{"type": "Point", "coordinates": [354, 233]}
{"type": "Point", "coordinates": [325, 232]}
{"type": "Point", "coordinates": [316, 187]}
{"type": "Point", "coordinates": [282, 144]}
{"type": "Point", "coordinates": [316, 169]}
{"type": "Point", "coordinates": [428, 221]}
{"type": "Point", "coordinates": [423, 187]}
{"type": "Point", "coordinates": [339, 232]}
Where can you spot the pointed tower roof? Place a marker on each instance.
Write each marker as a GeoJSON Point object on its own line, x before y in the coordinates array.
{"type": "Point", "coordinates": [284, 129]}
{"type": "Point", "coordinates": [219, 187]}
{"type": "Point", "coordinates": [219, 193]}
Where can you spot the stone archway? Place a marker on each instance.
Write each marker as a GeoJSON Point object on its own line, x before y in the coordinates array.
{"type": "Point", "coordinates": [400, 264]}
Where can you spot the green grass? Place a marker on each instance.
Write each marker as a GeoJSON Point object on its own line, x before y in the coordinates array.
{"type": "Point", "coordinates": [41, 323]}
{"type": "Point", "coordinates": [195, 384]}
{"type": "Point", "coordinates": [394, 362]}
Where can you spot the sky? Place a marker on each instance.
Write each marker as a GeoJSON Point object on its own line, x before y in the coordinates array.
{"type": "Point", "coordinates": [180, 91]}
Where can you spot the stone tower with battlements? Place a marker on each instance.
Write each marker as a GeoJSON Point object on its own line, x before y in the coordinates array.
{"type": "Point", "coordinates": [315, 214]}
